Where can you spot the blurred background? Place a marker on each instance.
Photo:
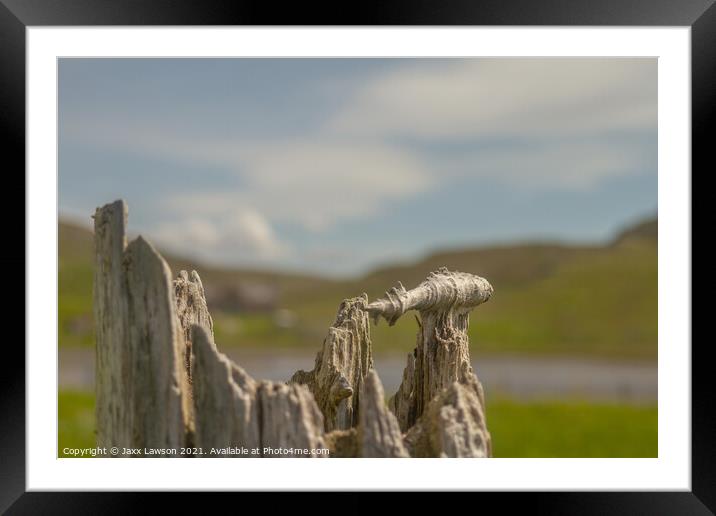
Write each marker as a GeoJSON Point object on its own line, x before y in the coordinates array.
{"type": "Point", "coordinates": [291, 184]}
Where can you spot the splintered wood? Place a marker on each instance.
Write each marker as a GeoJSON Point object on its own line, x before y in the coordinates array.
{"type": "Point", "coordinates": [442, 355]}
{"type": "Point", "coordinates": [161, 381]}
{"type": "Point", "coordinates": [140, 379]}
{"type": "Point", "coordinates": [341, 366]}
{"type": "Point", "coordinates": [378, 431]}
{"type": "Point", "coordinates": [234, 410]}
{"type": "Point", "coordinates": [191, 310]}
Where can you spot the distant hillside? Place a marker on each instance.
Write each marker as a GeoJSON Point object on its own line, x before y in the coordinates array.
{"type": "Point", "coordinates": [509, 265]}
{"type": "Point", "coordinates": [646, 229]}
{"type": "Point", "coordinates": [76, 248]}
{"type": "Point", "coordinates": [549, 298]}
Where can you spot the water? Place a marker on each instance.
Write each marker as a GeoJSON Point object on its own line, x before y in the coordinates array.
{"type": "Point", "coordinates": [518, 377]}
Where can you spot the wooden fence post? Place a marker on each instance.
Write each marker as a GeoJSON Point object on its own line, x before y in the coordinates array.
{"type": "Point", "coordinates": [453, 424]}
{"type": "Point", "coordinates": [378, 431]}
{"type": "Point", "coordinates": [225, 409]}
{"type": "Point", "coordinates": [139, 374]}
{"type": "Point", "coordinates": [156, 343]}
{"type": "Point", "coordinates": [162, 383]}
{"type": "Point", "coordinates": [191, 310]}
{"type": "Point", "coordinates": [336, 380]}
{"type": "Point", "coordinates": [112, 358]}
{"type": "Point", "coordinates": [441, 358]}
{"type": "Point", "coordinates": [232, 410]}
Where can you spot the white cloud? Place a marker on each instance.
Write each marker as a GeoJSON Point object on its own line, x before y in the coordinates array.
{"type": "Point", "coordinates": [239, 236]}
{"type": "Point", "coordinates": [315, 181]}
{"type": "Point", "coordinates": [567, 166]}
{"type": "Point", "coordinates": [315, 184]}
{"type": "Point", "coordinates": [253, 232]}
{"type": "Point", "coordinates": [515, 98]}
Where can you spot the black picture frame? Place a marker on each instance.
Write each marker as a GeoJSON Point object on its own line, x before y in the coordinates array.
{"type": "Point", "coordinates": [17, 15]}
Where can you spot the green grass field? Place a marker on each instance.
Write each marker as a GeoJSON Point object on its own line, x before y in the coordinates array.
{"type": "Point", "coordinates": [519, 429]}
{"type": "Point", "coordinates": [596, 303]}
{"type": "Point", "coordinates": [571, 429]}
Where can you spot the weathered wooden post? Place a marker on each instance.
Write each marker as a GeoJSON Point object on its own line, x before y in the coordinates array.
{"type": "Point", "coordinates": [453, 424]}
{"type": "Point", "coordinates": [112, 358]}
{"type": "Point", "coordinates": [336, 380]}
{"type": "Point", "coordinates": [378, 431]}
{"type": "Point", "coordinates": [191, 310]}
{"type": "Point", "coordinates": [442, 356]}
{"type": "Point", "coordinates": [140, 377]}
{"type": "Point", "coordinates": [234, 411]}
{"type": "Point", "coordinates": [162, 383]}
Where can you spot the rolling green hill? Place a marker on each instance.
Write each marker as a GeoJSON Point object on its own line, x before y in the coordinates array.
{"type": "Point", "coordinates": [549, 298]}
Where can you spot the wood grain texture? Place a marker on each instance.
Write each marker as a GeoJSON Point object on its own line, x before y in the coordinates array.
{"type": "Point", "coordinates": [112, 357]}
{"type": "Point", "coordinates": [191, 309]}
{"type": "Point", "coordinates": [442, 354]}
{"type": "Point", "coordinates": [234, 410]}
{"type": "Point", "coordinates": [341, 366]}
{"type": "Point", "coordinates": [378, 431]}
{"type": "Point", "coordinates": [225, 408]}
{"type": "Point", "coordinates": [156, 342]}
{"type": "Point", "coordinates": [139, 374]}
{"type": "Point", "coordinates": [453, 424]}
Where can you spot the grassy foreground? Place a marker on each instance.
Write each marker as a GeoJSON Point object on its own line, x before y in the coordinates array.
{"type": "Point", "coordinates": [519, 429]}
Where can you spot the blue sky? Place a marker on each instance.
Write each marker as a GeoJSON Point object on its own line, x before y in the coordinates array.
{"type": "Point", "coordinates": [337, 165]}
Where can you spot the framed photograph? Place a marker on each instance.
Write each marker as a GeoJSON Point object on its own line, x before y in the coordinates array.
{"type": "Point", "coordinates": [444, 248]}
